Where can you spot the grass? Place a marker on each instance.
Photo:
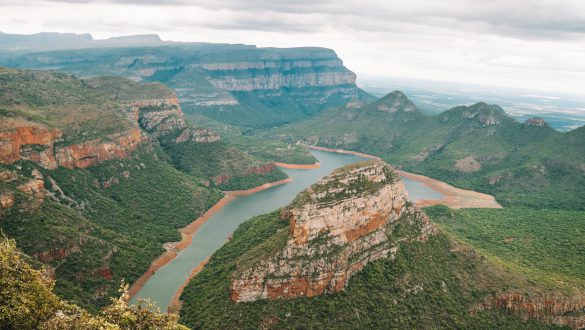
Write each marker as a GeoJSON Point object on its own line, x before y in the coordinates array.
{"type": "Point", "coordinates": [548, 246]}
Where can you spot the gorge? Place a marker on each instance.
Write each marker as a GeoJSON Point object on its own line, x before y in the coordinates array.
{"type": "Point", "coordinates": [164, 283]}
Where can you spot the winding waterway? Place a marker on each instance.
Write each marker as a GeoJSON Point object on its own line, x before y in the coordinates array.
{"type": "Point", "coordinates": [161, 287]}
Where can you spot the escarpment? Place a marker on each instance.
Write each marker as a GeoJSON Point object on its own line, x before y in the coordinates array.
{"type": "Point", "coordinates": [24, 140]}
{"type": "Point", "coordinates": [279, 72]}
{"type": "Point", "coordinates": [351, 217]}
{"type": "Point", "coordinates": [241, 85]}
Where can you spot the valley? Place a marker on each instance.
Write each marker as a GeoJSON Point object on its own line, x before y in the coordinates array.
{"type": "Point", "coordinates": [216, 229]}
{"type": "Point", "coordinates": [237, 186]}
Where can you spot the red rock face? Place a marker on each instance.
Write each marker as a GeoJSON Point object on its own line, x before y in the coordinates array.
{"type": "Point", "coordinates": [16, 144]}
{"type": "Point", "coordinates": [93, 152]}
{"type": "Point", "coordinates": [553, 309]}
{"type": "Point", "coordinates": [12, 142]}
{"type": "Point", "coordinates": [78, 155]}
{"type": "Point", "coordinates": [104, 272]}
{"type": "Point", "coordinates": [57, 253]}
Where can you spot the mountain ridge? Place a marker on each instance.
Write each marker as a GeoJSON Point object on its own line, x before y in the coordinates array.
{"type": "Point", "coordinates": [476, 147]}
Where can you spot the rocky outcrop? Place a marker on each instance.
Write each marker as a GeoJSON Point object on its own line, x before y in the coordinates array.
{"type": "Point", "coordinates": [336, 227]}
{"type": "Point", "coordinates": [31, 143]}
{"type": "Point", "coordinates": [158, 117]}
{"type": "Point", "coordinates": [164, 117]}
{"type": "Point", "coordinates": [104, 272]}
{"type": "Point", "coordinates": [467, 165]}
{"type": "Point", "coordinates": [486, 114]}
{"type": "Point", "coordinates": [199, 135]}
{"type": "Point", "coordinates": [90, 153]}
{"type": "Point", "coordinates": [553, 308]}
{"type": "Point", "coordinates": [57, 253]}
{"type": "Point", "coordinates": [275, 71]}
{"type": "Point", "coordinates": [396, 102]}
{"type": "Point", "coordinates": [535, 122]}
{"type": "Point", "coordinates": [34, 144]}
{"type": "Point", "coordinates": [6, 200]}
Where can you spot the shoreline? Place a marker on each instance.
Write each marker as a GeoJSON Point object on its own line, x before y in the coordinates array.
{"type": "Point", "coordinates": [298, 166]}
{"type": "Point", "coordinates": [173, 248]}
{"type": "Point", "coordinates": [176, 304]}
{"type": "Point", "coordinates": [453, 197]}
{"type": "Point", "coordinates": [343, 151]}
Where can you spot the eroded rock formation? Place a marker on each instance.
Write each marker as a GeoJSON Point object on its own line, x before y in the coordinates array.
{"type": "Point", "coordinates": [337, 226]}
{"type": "Point", "coordinates": [157, 117]}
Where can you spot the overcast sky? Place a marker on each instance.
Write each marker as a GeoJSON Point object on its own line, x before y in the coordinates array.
{"type": "Point", "coordinates": [536, 44]}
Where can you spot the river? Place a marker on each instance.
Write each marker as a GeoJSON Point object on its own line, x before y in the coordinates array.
{"type": "Point", "coordinates": [161, 287]}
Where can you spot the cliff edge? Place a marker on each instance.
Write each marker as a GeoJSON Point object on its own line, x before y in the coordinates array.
{"type": "Point", "coordinates": [336, 227]}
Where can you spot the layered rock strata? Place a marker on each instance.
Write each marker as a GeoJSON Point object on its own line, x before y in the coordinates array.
{"type": "Point", "coordinates": [158, 117]}
{"type": "Point", "coordinates": [337, 226]}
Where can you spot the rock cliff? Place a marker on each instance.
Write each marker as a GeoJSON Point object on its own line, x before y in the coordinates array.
{"type": "Point", "coordinates": [351, 217]}
{"type": "Point", "coordinates": [29, 141]}
{"type": "Point", "coordinates": [257, 86]}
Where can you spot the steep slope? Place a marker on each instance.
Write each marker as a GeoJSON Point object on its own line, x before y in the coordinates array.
{"type": "Point", "coordinates": [349, 252]}
{"type": "Point", "coordinates": [236, 84]}
{"type": "Point", "coordinates": [336, 227]}
{"type": "Point", "coordinates": [84, 166]}
{"type": "Point", "coordinates": [477, 147]}
{"type": "Point", "coordinates": [378, 127]}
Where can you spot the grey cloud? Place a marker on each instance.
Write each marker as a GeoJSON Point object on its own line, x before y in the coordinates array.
{"type": "Point", "coordinates": [524, 19]}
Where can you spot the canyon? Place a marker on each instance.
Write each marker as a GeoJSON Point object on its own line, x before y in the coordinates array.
{"type": "Point", "coordinates": [84, 155]}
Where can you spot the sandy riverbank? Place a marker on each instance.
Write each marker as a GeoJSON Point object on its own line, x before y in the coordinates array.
{"type": "Point", "coordinates": [453, 197]}
{"type": "Point", "coordinates": [187, 234]}
{"type": "Point", "coordinates": [298, 166]}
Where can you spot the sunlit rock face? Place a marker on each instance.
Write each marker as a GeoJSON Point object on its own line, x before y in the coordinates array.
{"type": "Point", "coordinates": [337, 226]}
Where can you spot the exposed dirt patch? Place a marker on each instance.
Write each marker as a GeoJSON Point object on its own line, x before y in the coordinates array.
{"type": "Point", "coordinates": [467, 165]}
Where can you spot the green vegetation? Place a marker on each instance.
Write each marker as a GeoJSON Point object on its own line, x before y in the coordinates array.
{"type": "Point", "coordinates": [426, 286]}
{"type": "Point", "coordinates": [121, 226]}
{"type": "Point", "coordinates": [247, 110]}
{"type": "Point", "coordinates": [475, 147]}
{"type": "Point", "coordinates": [27, 302]}
{"type": "Point", "coordinates": [106, 223]}
{"type": "Point", "coordinates": [273, 150]}
{"type": "Point", "coordinates": [548, 246]}
{"type": "Point", "coordinates": [248, 181]}
{"type": "Point", "coordinates": [218, 160]}
{"type": "Point", "coordinates": [82, 109]}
